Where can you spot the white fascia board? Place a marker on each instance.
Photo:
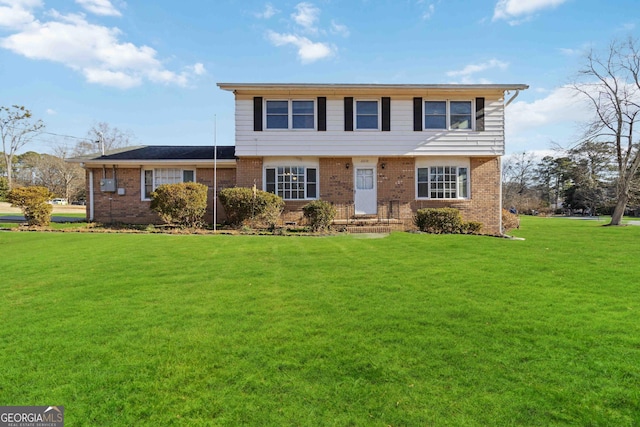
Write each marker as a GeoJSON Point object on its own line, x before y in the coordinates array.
{"type": "Point", "coordinates": [348, 86]}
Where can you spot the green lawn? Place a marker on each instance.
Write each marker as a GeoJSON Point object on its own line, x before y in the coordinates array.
{"type": "Point", "coordinates": [407, 330]}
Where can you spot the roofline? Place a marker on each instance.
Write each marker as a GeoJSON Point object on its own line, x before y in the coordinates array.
{"type": "Point", "coordinates": [276, 86]}
{"type": "Point", "coordinates": [106, 161]}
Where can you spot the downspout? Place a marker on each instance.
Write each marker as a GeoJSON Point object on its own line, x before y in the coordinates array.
{"type": "Point", "coordinates": [90, 194]}
{"type": "Point", "coordinates": [515, 95]}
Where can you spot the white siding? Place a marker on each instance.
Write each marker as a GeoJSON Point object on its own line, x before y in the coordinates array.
{"type": "Point", "coordinates": [402, 140]}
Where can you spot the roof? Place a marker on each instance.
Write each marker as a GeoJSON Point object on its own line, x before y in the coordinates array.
{"type": "Point", "coordinates": [358, 86]}
{"type": "Point", "coordinates": [164, 152]}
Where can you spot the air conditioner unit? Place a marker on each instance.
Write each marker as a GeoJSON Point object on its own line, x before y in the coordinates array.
{"type": "Point", "coordinates": [108, 185]}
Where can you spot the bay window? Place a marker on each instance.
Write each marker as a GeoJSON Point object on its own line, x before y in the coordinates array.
{"type": "Point", "coordinates": [292, 182]}
{"type": "Point", "coordinates": [443, 182]}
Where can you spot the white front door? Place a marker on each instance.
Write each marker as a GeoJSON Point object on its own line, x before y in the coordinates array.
{"type": "Point", "coordinates": [365, 197]}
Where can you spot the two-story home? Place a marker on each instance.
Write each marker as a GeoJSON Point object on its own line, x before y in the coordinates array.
{"type": "Point", "coordinates": [373, 150]}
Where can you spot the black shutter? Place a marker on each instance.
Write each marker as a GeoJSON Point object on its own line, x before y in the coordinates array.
{"type": "Point", "coordinates": [479, 114]}
{"type": "Point", "coordinates": [386, 114]}
{"type": "Point", "coordinates": [257, 113]}
{"type": "Point", "coordinates": [348, 113]}
{"type": "Point", "coordinates": [417, 114]}
{"type": "Point", "coordinates": [322, 113]}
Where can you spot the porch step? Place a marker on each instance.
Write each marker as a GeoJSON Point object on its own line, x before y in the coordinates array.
{"type": "Point", "coordinates": [378, 229]}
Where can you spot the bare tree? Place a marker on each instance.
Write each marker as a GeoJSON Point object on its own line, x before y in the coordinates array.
{"type": "Point", "coordinates": [16, 130]}
{"type": "Point", "coordinates": [611, 84]}
{"type": "Point", "coordinates": [103, 133]}
{"type": "Point", "coordinates": [59, 176]}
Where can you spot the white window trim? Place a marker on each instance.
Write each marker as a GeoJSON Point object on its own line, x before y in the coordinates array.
{"type": "Point", "coordinates": [293, 163]}
{"type": "Point", "coordinates": [448, 115]}
{"type": "Point", "coordinates": [290, 115]}
{"type": "Point", "coordinates": [445, 162]}
{"type": "Point", "coordinates": [355, 114]}
{"type": "Point", "coordinates": [142, 183]}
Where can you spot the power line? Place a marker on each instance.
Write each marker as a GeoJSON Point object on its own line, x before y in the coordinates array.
{"type": "Point", "coordinates": [50, 133]}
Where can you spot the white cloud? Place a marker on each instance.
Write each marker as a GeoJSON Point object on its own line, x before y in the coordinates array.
{"type": "Point", "coordinates": [560, 105]}
{"type": "Point", "coordinates": [15, 14]}
{"type": "Point", "coordinates": [268, 12]}
{"type": "Point", "coordinates": [93, 50]}
{"type": "Point", "coordinates": [477, 68]}
{"type": "Point", "coordinates": [339, 29]}
{"type": "Point", "coordinates": [51, 112]}
{"type": "Point", "coordinates": [198, 69]}
{"type": "Point", "coordinates": [306, 16]}
{"type": "Point", "coordinates": [99, 7]}
{"type": "Point", "coordinates": [308, 51]}
{"type": "Point", "coordinates": [429, 12]}
{"type": "Point", "coordinates": [518, 11]}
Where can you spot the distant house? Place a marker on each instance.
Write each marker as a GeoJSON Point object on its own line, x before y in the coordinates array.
{"type": "Point", "coordinates": [374, 151]}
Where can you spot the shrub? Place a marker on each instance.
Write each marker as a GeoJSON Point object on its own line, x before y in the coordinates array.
{"type": "Point", "coordinates": [181, 204]}
{"type": "Point", "coordinates": [242, 204]}
{"type": "Point", "coordinates": [4, 188]}
{"type": "Point", "coordinates": [509, 221]}
{"type": "Point", "coordinates": [33, 203]}
{"type": "Point", "coordinates": [472, 227]}
{"type": "Point", "coordinates": [439, 220]}
{"type": "Point", "coordinates": [320, 214]}
{"type": "Point", "coordinates": [444, 221]}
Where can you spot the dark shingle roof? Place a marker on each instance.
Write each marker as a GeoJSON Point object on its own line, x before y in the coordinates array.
{"type": "Point", "coordinates": [170, 152]}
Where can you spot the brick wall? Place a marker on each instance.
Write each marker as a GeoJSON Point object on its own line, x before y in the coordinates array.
{"type": "Point", "coordinates": [484, 204]}
{"type": "Point", "coordinates": [395, 183]}
{"type": "Point", "coordinates": [127, 208]}
{"type": "Point", "coordinates": [249, 172]}
{"type": "Point", "coordinates": [130, 209]}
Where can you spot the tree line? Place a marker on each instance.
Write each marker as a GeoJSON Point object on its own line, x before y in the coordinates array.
{"type": "Point", "coordinates": [599, 173]}
{"type": "Point", "coordinates": [50, 170]}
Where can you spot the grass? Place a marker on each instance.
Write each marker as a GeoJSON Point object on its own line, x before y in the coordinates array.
{"type": "Point", "coordinates": [406, 330]}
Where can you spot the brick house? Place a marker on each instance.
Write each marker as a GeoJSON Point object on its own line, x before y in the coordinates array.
{"type": "Point", "coordinates": [377, 152]}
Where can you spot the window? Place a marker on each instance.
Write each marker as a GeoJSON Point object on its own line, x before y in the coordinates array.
{"type": "Point", "coordinates": [292, 182]}
{"type": "Point", "coordinates": [447, 114]}
{"type": "Point", "coordinates": [443, 182]}
{"type": "Point", "coordinates": [294, 114]}
{"type": "Point", "coordinates": [364, 179]}
{"type": "Point", "coordinates": [152, 178]}
{"type": "Point", "coordinates": [366, 114]}
{"type": "Point", "coordinates": [435, 115]}
{"type": "Point", "coordinates": [460, 114]}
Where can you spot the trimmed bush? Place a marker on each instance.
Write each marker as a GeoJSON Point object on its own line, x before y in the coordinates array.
{"type": "Point", "coordinates": [472, 227]}
{"type": "Point", "coordinates": [242, 204]}
{"type": "Point", "coordinates": [444, 221]}
{"type": "Point", "coordinates": [320, 214]}
{"type": "Point", "coordinates": [181, 204]}
{"type": "Point", "coordinates": [509, 220]}
{"type": "Point", "coordinates": [33, 203]}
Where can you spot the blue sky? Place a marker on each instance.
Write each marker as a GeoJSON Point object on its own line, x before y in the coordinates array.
{"type": "Point", "coordinates": [151, 67]}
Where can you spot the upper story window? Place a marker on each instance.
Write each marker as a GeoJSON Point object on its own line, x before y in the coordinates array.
{"type": "Point", "coordinates": [366, 115]}
{"type": "Point", "coordinates": [447, 114]}
{"type": "Point", "coordinates": [290, 114]}
{"type": "Point", "coordinates": [152, 178]}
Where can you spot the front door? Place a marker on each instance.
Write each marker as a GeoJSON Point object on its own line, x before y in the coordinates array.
{"type": "Point", "coordinates": [365, 197]}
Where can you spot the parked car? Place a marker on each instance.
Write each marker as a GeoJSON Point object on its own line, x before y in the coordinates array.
{"type": "Point", "coordinates": [58, 201]}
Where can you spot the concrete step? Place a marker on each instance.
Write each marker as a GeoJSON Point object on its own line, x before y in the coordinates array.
{"type": "Point", "coordinates": [379, 229]}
